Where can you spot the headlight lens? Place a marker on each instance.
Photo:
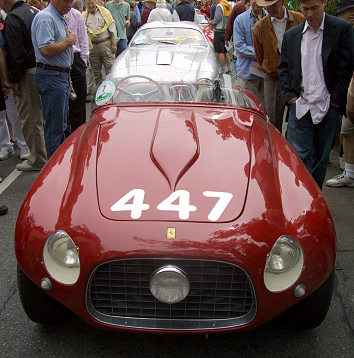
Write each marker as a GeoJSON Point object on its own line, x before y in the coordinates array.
{"type": "Point", "coordinates": [284, 264]}
{"type": "Point", "coordinates": [284, 255]}
{"type": "Point", "coordinates": [62, 249]}
{"type": "Point", "coordinates": [169, 285]}
{"type": "Point", "coordinates": [61, 258]}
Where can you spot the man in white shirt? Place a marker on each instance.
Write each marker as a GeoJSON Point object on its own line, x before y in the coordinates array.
{"type": "Point", "coordinates": [315, 70]}
{"type": "Point", "coordinates": [160, 13]}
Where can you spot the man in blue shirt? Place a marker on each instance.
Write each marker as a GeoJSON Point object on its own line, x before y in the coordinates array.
{"type": "Point", "coordinates": [212, 10]}
{"type": "Point", "coordinates": [243, 46]}
{"type": "Point", "coordinates": [52, 42]}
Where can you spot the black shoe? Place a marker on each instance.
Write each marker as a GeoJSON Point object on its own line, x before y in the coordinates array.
{"type": "Point", "coordinates": [3, 209]}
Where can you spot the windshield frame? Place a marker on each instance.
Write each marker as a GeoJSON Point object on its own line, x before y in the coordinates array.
{"type": "Point", "coordinates": [179, 36]}
{"type": "Point", "coordinates": [141, 89]}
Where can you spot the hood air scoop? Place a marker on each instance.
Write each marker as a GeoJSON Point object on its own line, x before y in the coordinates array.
{"type": "Point", "coordinates": [164, 58]}
{"type": "Point", "coordinates": [174, 151]}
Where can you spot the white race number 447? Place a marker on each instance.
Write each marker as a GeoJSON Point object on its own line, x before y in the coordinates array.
{"type": "Point", "coordinates": [178, 201]}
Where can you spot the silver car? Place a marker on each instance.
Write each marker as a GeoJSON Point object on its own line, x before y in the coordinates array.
{"type": "Point", "coordinates": [178, 50]}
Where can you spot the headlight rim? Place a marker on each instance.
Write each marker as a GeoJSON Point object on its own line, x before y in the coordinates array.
{"type": "Point", "coordinates": [277, 281]}
{"type": "Point", "coordinates": [61, 272]}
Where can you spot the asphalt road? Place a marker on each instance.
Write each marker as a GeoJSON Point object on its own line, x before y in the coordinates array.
{"type": "Point", "coordinates": [19, 337]}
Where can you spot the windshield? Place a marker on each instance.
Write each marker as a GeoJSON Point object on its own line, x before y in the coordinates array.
{"type": "Point", "coordinates": [139, 88]}
{"type": "Point", "coordinates": [202, 19]}
{"type": "Point", "coordinates": [168, 35]}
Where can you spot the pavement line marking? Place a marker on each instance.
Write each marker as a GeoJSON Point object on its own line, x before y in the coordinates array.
{"type": "Point", "coordinates": [9, 180]}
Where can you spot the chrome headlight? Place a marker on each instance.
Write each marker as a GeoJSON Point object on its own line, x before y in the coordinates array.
{"type": "Point", "coordinates": [284, 264]}
{"type": "Point", "coordinates": [169, 285]}
{"type": "Point", "coordinates": [61, 257]}
{"type": "Point", "coordinates": [284, 255]}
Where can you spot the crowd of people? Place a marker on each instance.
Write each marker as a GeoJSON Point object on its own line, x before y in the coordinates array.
{"type": "Point", "coordinates": [52, 52]}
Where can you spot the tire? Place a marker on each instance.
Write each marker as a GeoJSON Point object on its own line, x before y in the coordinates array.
{"type": "Point", "coordinates": [312, 310]}
{"type": "Point", "coordinates": [40, 307]}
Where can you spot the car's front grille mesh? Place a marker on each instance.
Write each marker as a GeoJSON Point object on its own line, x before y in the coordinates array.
{"type": "Point", "coordinates": [218, 291]}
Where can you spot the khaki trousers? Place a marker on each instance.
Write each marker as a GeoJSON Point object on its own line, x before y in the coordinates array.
{"type": "Point", "coordinates": [256, 86]}
{"type": "Point", "coordinates": [273, 102]}
{"type": "Point", "coordinates": [101, 54]}
{"type": "Point", "coordinates": [29, 108]}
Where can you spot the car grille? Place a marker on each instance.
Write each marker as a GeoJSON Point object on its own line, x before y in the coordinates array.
{"type": "Point", "coordinates": [221, 295]}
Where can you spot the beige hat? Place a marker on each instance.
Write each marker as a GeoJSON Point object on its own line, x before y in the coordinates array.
{"type": "Point", "coordinates": [161, 3]}
{"type": "Point", "coordinates": [152, 1]}
{"type": "Point", "coordinates": [265, 3]}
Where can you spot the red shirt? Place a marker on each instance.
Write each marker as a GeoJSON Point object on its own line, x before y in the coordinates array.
{"type": "Point", "coordinates": [145, 15]}
{"type": "Point", "coordinates": [238, 9]}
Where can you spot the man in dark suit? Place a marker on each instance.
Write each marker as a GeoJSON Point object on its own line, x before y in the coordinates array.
{"type": "Point", "coordinates": [315, 70]}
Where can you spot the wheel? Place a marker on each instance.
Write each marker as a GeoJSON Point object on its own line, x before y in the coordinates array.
{"type": "Point", "coordinates": [39, 307]}
{"type": "Point", "coordinates": [312, 310]}
{"type": "Point", "coordinates": [139, 96]}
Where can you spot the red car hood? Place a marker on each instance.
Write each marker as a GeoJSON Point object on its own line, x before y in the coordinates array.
{"type": "Point", "coordinates": [147, 153]}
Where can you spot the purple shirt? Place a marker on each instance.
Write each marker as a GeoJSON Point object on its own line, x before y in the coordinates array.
{"type": "Point", "coordinates": [77, 25]}
{"type": "Point", "coordinates": [314, 96]}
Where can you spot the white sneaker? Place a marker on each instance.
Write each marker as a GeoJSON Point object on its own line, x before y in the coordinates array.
{"type": "Point", "coordinates": [341, 180]}
{"type": "Point", "coordinates": [25, 153]}
{"type": "Point", "coordinates": [6, 153]}
{"type": "Point", "coordinates": [26, 167]}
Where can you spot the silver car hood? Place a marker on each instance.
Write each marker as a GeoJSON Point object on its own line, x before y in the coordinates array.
{"type": "Point", "coordinates": [168, 62]}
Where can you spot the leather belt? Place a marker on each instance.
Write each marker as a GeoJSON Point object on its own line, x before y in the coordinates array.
{"type": "Point", "coordinates": [99, 42]}
{"type": "Point", "coordinates": [53, 68]}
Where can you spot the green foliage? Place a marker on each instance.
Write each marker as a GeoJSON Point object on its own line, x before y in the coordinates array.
{"type": "Point", "coordinates": [331, 6]}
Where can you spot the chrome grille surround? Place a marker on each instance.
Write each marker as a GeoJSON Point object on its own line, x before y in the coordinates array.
{"type": "Point", "coordinates": [221, 295]}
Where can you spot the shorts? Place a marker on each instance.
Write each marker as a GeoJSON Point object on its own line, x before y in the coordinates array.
{"type": "Point", "coordinates": [347, 126]}
{"type": "Point", "coordinates": [219, 42]}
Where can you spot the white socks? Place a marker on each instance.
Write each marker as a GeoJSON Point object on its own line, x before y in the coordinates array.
{"type": "Point", "coordinates": [349, 170]}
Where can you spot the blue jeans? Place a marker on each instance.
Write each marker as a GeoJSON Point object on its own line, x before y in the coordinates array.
{"type": "Point", "coordinates": [121, 46]}
{"type": "Point", "coordinates": [313, 142]}
{"type": "Point", "coordinates": [53, 88]}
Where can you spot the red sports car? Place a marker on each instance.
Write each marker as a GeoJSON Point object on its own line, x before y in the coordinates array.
{"type": "Point", "coordinates": [177, 208]}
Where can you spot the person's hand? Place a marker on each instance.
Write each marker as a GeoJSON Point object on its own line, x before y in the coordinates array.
{"type": "Point", "coordinates": [113, 48]}
{"type": "Point", "coordinates": [6, 86]}
{"type": "Point", "coordinates": [293, 100]}
{"type": "Point", "coordinates": [127, 23]}
{"type": "Point", "coordinates": [15, 89]}
{"type": "Point", "coordinates": [70, 36]}
{"type": "Point", "coordinates": [72, 93]}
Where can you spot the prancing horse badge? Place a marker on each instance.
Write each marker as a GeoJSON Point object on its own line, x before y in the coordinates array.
{"type": "Point", "coordinates": [171, 233]}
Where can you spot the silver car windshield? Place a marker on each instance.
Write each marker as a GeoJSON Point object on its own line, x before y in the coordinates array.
{"type": "Point", "coordinates": [139, 88]}
{"type": "Point", "coordinates": [170, 36]}
{"type": "Point", "coordinates": [202, 19]}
